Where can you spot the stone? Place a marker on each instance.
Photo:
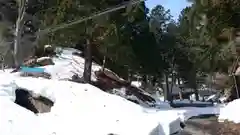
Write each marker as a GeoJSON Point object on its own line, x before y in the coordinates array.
{"type": "Point", "coordinates": [34, 103]}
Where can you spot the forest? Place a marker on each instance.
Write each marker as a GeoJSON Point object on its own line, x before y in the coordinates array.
{"type": "Point", "coordinates": [128, 38]}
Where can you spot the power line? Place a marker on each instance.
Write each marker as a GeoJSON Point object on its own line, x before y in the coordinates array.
{"type": "Point", "coordinates": [106, 11]}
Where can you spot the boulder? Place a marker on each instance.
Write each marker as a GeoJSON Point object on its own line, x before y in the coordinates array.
{"type": "Point", "coordinates": [35, 62]}
{"type": "Point", "coordinates": [44, 61]}
{"type": "Point", "coordinates": [36, 104]}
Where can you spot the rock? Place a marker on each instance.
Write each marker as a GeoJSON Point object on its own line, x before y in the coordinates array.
{"type": "Point", "coordinates": [32, 74]}
{"type": "Point", "coordinates": [36, 104]}
{"type": "Point", "coordinates": [49, 50]}
{"type": "Point", "coordinates": [78, 54]}
{"type": "Point", "coordinates": [77, 79]}
{"type": "Point", "coordinates": [35, 62]}
{"type": "Point", "coordinates": [44, 61]}
{"type": "Point", "coordinates": [31, 62]}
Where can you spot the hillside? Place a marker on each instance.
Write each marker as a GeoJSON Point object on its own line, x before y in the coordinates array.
{"type": "Point", "coordinates": [82, 108]}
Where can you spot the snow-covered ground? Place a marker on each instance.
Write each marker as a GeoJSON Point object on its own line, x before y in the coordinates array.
{"type": "Point", "coordinates": [83, 108]}
{"type": "Point", "coordinates": [230, 112]}
{"type": "Point", "coordinates": [66, 65]}
{"type": "Point", "coordinates": [76, 106]}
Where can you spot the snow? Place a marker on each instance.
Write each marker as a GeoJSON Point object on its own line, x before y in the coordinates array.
{"type": "Point", "coordinates": [186, 113]}
{"type": "Point", "coordinates": [15, 120]}
{"type": "Point", "coordinates": [186, 101]}
{"type": "Point", "coordinates": [223, 99]}
{"type": "Point", "coordinates": [83, 108]}
{"type": "Point", "coordinates": [212, 97]}
{"type": "Point", "coordinates": [230, 112]}
{"type": "Point", "coordinates": [237, 71]}
{"type": "Point", "coordinates": [161, 104]}
{"type": "Point", "coordinates": [136, 83]}
{"type": "Point", "coordinates": [66, 65]}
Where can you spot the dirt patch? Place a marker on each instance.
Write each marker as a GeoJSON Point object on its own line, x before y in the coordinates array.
{"type": "Point", "coordinates": [229, 128]}
{"type": "Point", "coordinates": [210, 126]}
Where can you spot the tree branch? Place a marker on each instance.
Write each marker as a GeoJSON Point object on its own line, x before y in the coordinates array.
{"type": "Point", "coordinates": [109, 10]}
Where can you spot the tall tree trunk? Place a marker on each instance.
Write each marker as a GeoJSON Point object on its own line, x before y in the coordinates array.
{"type": "Point", "coordinates": [129, 75]}
{"type": "Point", "coordinates": [104, 59]}
{"type": "Point", "coordinates": [236, 84]}
{"type": "Point", "coordinates": [154, 81]}
{"type": "Point", "coordinates": [235, 90]}
{"type": "Point", "coordinates": [172, 72]}
{"type": "Point", "coordinates": [178, 79]}
{"type": "Point", "coordinates": [144, 81]}
{"type": "Point", "coordinates": [17, 43]}
{"type": "Point", "coordinates": [172, 83]}
{"type": "Point", "coordinates": [18, 31]}
{"type": "Point", "coordinates": [104, 62]}
{"type": "Point", "coordinates": [166, 90]}
{"type": "Point", "coordinates": [88, 62]}
{"type": "Point", "coordinates": [193, 83]}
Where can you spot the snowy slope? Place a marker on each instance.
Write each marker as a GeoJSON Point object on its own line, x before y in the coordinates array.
{"type": "Point", "coordinates": [82, 108]}
{"type": "Point", "coordinates": [76, 106]}
{"type": "Point", "coordinates": [230, 112]}
{"type": "Point", "coordinates": [66, 65]}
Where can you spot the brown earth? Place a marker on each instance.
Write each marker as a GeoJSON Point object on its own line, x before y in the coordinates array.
{"type": "Point", "coordinates": [210, 126]}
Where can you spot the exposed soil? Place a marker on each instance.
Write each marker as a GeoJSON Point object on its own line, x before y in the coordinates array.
{"type": "Point", "coordinates": [210, 126]}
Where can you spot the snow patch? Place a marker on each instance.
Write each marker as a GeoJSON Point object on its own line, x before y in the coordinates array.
{"type": "Point", "coordinates": [136, 83]}
{"type": "Point", "coordinates": [230, 112]}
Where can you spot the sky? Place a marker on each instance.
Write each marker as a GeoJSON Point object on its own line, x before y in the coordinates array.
{"type": "Point", "coordinates": [175, 6]}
